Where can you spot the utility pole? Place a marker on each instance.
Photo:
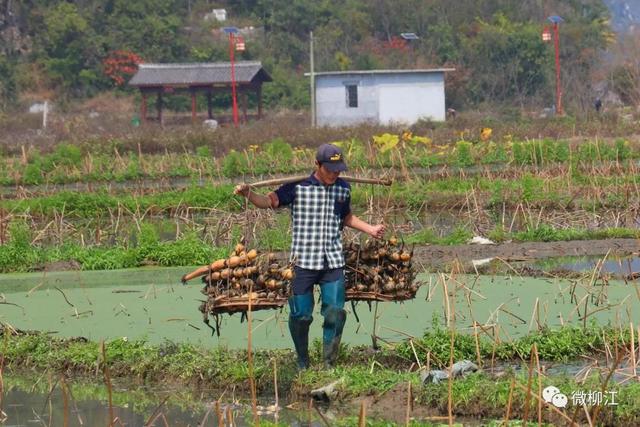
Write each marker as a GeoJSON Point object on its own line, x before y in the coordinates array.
{"type": "Point", "coordinates": [556, 42]}
{"type": "Point", "coordinates": [546, 36]}
{"type": "Point", "coordinates": [232, 31]}
{"type": "Point", "coordinates": [312, 82]}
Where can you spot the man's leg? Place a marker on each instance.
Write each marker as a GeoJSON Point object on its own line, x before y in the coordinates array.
{"type": "Point", "coordinates": [300, 317]}
{"type": "Point", "coordinates": [301, 313]}
{"type": "Point", "coordinates": [334, 317]}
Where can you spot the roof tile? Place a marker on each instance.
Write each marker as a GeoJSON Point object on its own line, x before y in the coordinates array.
{"type": "Point", "coordinates": [198, 73]}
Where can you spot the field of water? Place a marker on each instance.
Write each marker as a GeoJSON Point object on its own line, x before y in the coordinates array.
{"type": "Point", "coordinates": [151, 304]}
{"type": "Point", "coordinates": [533, 207]}
{"type": "Point", "coordinates": [32, 401]}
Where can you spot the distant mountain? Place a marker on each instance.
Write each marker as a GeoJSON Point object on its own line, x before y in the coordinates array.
{"type": "Point", "coordinates": [625, 14]}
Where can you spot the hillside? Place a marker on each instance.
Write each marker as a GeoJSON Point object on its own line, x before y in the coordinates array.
{"type": "Point", "coordinates": [65, 51]}
{"type": "Point", "coordinates": [625, 14]}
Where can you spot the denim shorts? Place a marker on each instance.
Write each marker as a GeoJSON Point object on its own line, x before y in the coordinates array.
{"type": "Point", "coordinates": [304, 279]}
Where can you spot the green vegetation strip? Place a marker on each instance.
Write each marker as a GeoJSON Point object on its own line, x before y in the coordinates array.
{"type": "Point", "coordinates": [221, 366]}
{"type": "Point", "coordinates": [585, 191]}
{"type": "Point", "coordinates": [559, 345]}
{"type": "Point", "coordinates": [20, 255]}
{"type": "Point", "coordinates": [477, 395]}
{"type": "Point", "coordinates": [69, 163]}
{"type": "Point", "coordinates": [101, 203]}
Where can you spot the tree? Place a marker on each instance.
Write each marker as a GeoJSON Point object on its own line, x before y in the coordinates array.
{"type": "Point", "coordinates": [508, 60]}
{"type": "Point", "coordinates": [68, 49]}
{"type": "Point", "coordinates": [120, 65]}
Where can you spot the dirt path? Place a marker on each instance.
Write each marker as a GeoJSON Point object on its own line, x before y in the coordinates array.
{"type": "Point", "coordinates": [438, 254]}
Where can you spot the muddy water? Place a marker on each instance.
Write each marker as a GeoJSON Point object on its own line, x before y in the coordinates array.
{"type": "Point", "coordinates": [150, 304]}
{"type": "Point", "coordinates": [87, 406]}
{"type": "Point", "coordinates": [619, 266]}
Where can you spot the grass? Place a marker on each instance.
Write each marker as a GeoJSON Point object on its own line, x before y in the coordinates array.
{"type": "Point", "coordinates": [477, 395]}
{"type": "Point", "coordinates": [192, 364]}
{"type": "Point", "coordinates": [143, 246]}
{"type": "Point", "coordinates": [21, 255]}
{"type": "Point", "coordinates": [480, 396]}
{"type": "Point", "coordinates": [560, 345]}
{"type": "Point", "coordinates": [116, 160]}
{"type": "Point", "coordinates": [433, 193]}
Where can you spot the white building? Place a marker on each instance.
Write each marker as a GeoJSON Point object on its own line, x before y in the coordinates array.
{"type": "Point", "coordinates": [379, 96]}
{"type": "Point", "coordinates": [219, 15]}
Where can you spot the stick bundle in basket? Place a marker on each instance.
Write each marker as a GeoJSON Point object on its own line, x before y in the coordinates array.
{"type": "Point", "coordinates": [242, 278]}
{"type": "Point", "coordinates": [379, 271]}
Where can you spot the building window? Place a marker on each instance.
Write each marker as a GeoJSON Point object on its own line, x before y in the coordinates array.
{"type": "Point", "coordinates": [352, 95]}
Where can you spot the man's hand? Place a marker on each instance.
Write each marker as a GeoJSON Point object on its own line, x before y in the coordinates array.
{"type": "Point", "coordinates": [242, 190]}
{"type": "Point", "coordinates": [377, 231]}
{"type": "Point", "coordinates": [259, 200]}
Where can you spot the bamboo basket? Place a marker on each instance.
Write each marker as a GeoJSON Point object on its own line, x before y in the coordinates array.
{"type": "Point", "coordinates": [229, 305]}
{"type": "Point", "coordinates": [379, 271]}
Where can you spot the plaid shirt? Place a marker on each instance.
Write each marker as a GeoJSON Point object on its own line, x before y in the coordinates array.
{"type": "Point", "coordinates": [318, 214]}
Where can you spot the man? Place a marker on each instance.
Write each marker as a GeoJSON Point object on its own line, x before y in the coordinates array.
{"type": "Point", "coordinates": [597, 105]}
{"type": "Point", "coordinates": [320, 207]}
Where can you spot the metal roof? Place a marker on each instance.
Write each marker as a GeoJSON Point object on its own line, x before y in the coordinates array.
{"type": "Point", "coordinates": [198, 74]}
{"type": "Point", "coordinates": [346, 73]}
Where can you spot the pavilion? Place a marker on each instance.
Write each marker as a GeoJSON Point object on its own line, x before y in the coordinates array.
{"type": "Point", "coordinates": [206, 78]}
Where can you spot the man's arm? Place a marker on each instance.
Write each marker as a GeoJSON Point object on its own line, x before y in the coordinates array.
{"type": "Point", "coordinates": [258, 200]}
{"type": "Point", "coordinates": [353, 221]}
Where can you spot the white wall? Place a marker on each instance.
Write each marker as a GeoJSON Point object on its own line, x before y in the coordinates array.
{"type": "Point", "coordinates": [382, 98]}
{"type": "Point", "coordinates": [408, 98]}
{"type": "Point", "coordinates": [331, 100]}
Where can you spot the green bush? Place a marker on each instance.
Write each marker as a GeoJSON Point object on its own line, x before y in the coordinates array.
{"type": "Point", "coordinates": [19, 254]}
{"type": "Point", "coordinates": [531, 187]}
{"type": "Point", "coordinates": [32, 174]}
{"type": "Point", "coordinates": [356, 154]}
{"type": "Point", "coordinates": [588, 152]}
{"type": "Point", "coordinates": [520, 156]}
{"type": "Point", "coordinates": [428, 159]}
{"type": "Point", "coordinates": [66, 155]}
{"type": "Point", "coordinates": [562, 152]}
{"type": "Point", "coordinates": [548, 150]}
{"type": "Point", "coordinates": [277, 154]}
{"type": "Point", "coordinates": [203, 151]}
{"type": "Point", "coordinates": [234, 164]}
{"type": "Point", "coordinates": [622, 149]}
{"type": "Point", "coordinates": [463, 154]}
{"type": "Point", "coordinates": [495, 154]}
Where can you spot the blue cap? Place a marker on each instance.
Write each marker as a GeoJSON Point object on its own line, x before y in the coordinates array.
{"type": "Point", "coordinates": [331, 157]}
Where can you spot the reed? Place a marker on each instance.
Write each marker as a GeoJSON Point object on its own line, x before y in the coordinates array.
{"type": "Point", "coordinates": [527, 401]}
{"type": "Point", "coordinates": [409, 407]}
{"type": "Point", "coordinates": [252, 381]}
{"type": "Point", "coordinates": [539, 381]}
{"type": "Point", "coordinates": [362, 416]}
{"type": "Point", "coordinates": [275, 389]}
{"type": "Point", "coordinates": [65, 403]}
{"type": "Point", "coordinates": [107, 380]}
{"type": "Point", "coordinates": [219, 414]}
{"type": "Point", "coordinates": [5, 335]}
{"type": "Point", "coordinates": [632, 351]}
{"type": "Point", "coordinates": [507, 415]}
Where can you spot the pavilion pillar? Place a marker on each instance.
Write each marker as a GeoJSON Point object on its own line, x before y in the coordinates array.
{"type": "Point", "coordinates": [193, 105]}
{"type": "Point", "coordinates": [159, 106]}
{"type": "Point", "coordinates": [143, 107]}
{"type": "Point", "coordinates": [244, 105]}
{"type": "Point", "coordinates": [259, 92]}
{"type": "Point", "coordinates": [209, 104]}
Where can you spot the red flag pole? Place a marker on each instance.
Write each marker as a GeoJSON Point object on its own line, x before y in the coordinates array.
{"type": "Point", "coordinates": [556, 42]}
{"type": "Point", "coordinates": [233, 79]}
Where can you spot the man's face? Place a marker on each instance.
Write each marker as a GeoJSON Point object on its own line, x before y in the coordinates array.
{"type": "Point", "coordinates": [326, 176]}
